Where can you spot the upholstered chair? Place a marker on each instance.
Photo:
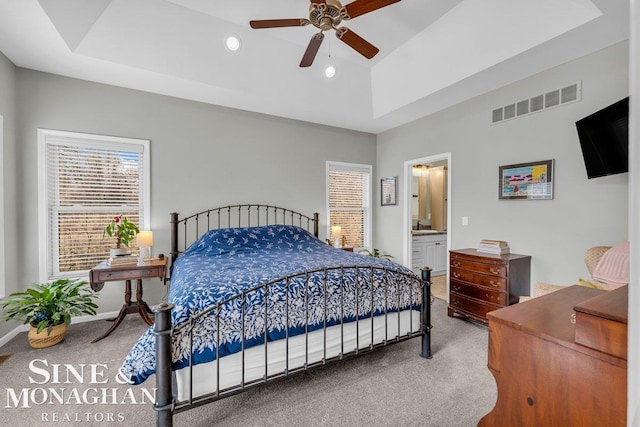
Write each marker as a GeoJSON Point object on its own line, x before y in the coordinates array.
{"type": "Point", "coordinates": [591, 258]}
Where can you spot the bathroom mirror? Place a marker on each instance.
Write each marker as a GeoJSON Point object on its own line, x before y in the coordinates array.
{"type": "Point", "coordinates": [429, 196]}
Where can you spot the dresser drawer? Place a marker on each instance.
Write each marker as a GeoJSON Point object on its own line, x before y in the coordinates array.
{"type": "Point", "coordinates": [106, 276]}
{"type": "Point", "coordinates": [495, 260]}
{"type": "Point", "coordinates": [479, 267]}
{"type": "Point", "coordinates": [479, 279]}
{"type": "Point", "coordinates": [486, 294]}
{"type": "Point", "coordinates": [476, 307]}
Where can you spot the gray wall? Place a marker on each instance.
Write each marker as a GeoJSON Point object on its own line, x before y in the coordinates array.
{"type": "Point", "coordinates": [7, 111]}
{"type": "Point", "coordinates": [556, 232]}
{"type": "Point", "coordinates": [202, 156]}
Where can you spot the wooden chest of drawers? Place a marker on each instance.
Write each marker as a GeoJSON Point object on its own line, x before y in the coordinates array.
{"type": "Point", "coordinates": [550, 371]}
{"type": "Point", "coordinates": [482, 282]}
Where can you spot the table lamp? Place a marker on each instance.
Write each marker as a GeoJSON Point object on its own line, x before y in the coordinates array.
{"type": "Point", "coordinates": [145, 241]}
{"type": "Point", "coordinates": [336, 233]}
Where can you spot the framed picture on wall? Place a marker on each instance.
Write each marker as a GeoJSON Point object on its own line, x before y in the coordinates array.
{"type": "Point", "coordinates": [530, 181]}
{"type": "Point", "coordinates": [389, 191]}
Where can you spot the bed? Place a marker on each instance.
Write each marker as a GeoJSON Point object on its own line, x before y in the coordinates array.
{"type": "Point", "coordinates": [256, 297]}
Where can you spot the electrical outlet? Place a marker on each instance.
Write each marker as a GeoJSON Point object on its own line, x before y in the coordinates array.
{"type": "Point", "coordinates": [465, 220]}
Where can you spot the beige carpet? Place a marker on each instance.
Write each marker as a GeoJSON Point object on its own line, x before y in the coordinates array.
{"type": "Point", "coordinates": [391, 387]}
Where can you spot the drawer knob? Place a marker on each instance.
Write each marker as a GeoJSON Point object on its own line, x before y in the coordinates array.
{"type": "Point", "coordinates": [494, 271]}
{"type": "Point", "coordinates": [492, 283]}
{"type": "Point", "coordinates": [455, 264]}
{"type": "Point", "coordinates": [456, 275]}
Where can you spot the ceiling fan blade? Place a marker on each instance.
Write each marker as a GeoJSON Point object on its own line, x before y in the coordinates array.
{"type": "Point", "coordinates": [312, 49]}
{"type": "Point", "coordinates": [362, 46]}
{"type": "Point", "coordinates": [276, 23]}
{"type": "Point", "coordinates": [360, 7]}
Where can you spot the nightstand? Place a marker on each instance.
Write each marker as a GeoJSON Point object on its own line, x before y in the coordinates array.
{"type": "Point", "coordinates": [347, 248]}
{"type": "Point", "coordinates": [104, 273]}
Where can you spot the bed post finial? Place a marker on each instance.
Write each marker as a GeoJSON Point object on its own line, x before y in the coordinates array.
{"type": "Point", "coordinates": [164, 394]}
{"type": "Point", "coordinates": [426, 312]}
{"type": "Point", "coordinates": [316, 224]}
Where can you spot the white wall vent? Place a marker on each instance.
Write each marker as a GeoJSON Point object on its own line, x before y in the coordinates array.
{"type": "Point", "coordinates": [551, 99]}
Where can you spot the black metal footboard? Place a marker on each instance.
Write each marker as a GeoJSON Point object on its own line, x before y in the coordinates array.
{"type": "Point", "coordinates": [418, 289]}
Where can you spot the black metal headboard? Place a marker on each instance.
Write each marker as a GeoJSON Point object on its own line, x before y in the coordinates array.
{"type": "Point", "coordinates": [233, 216]}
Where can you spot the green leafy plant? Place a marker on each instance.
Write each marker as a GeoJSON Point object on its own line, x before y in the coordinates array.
{"type": "Point", "coordinates": [45, 305]}
{"type": "Point", "coordinates": [122, 229]}
{"type": "Point", "coordinates": [376, 253]}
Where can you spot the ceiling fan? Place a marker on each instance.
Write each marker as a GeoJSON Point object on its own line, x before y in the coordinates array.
{"type": "Point", "coordinates": [327, 15]}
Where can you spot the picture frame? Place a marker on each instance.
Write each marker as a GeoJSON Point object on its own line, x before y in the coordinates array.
{"type": "Point", "coordinates": [389, 191]}
{"type": "Point", "coordinates": [526, 181]}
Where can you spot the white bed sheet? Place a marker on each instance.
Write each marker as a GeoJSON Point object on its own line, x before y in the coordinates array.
{"type": "Point", "coordinates": [205, 378]}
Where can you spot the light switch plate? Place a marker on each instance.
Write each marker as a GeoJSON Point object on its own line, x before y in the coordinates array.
{"type": "Point", "coordinates": [465, 220]}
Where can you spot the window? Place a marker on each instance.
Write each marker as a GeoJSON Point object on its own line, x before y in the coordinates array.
{"type": "Point", "coordinates": [348, 202]}
{"type": "Point", "coordinates": [84, 181]}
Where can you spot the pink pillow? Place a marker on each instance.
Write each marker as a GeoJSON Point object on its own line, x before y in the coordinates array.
{"type": "Point", "coordinates": [613, 267]}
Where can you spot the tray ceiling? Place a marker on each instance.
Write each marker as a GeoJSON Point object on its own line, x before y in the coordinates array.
{"type": "Point", "coordinates": [433, 54]}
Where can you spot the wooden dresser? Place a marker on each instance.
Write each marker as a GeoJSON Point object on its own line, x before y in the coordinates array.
{"type": "Point", "coordinates": [551, 371]}
{"type": "Point", "coordinates": [482, 282]}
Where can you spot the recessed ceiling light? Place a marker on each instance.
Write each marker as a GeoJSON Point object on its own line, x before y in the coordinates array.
{"type": "Point", "coordinates": [330, 71]}
{"type": "Point", "coordinates": [232, 43]}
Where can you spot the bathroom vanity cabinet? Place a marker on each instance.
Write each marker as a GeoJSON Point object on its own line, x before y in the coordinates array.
{"type": "Point", "coordinates": [429, 250]}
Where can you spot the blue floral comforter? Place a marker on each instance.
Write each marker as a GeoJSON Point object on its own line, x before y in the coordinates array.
{"type": "Point", "coordinates": [224, 263]}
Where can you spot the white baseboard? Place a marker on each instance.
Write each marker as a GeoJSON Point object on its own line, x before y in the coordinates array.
{"type": "Point", "coordinates": [99, 316]}
{"type": "Point", "coordinates": [24, 328]}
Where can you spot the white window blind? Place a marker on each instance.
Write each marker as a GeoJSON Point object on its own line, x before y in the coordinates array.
{"type": "Point", "coordinates": [348, 199]}
{"type": "Point", "coordinates": [87, 180]}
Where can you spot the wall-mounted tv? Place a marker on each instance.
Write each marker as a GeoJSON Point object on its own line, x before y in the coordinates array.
{"type": "Point", "coordinates": [604, 139]}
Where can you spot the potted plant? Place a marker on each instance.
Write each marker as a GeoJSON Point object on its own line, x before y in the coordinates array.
{"type": "Point", "coordinates": [48, 308]}
{"type": "Point", "coordinates": [124, 231]}
{"type": "Point", "coordinates": [376, 253]}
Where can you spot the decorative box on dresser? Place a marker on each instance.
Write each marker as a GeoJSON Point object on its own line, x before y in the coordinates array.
{"type": "Point", "coordinates": [482, 282]}
{"type": "Point", "coordinates": [560, 360]}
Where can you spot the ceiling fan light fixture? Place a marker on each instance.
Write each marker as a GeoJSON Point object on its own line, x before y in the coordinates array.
{"type": "Point", "coordinates": [327, 15]}
{"type": "Point", "coordinates": [232, 42]}
{"type": "Point", "coordinates": [330, 71]}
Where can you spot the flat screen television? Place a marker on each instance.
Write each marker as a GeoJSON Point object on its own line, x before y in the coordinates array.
{"type": "Point", "coordinates": [604, 139]}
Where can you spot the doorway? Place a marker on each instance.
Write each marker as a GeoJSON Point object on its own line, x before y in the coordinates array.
{"type": "Point", "coordinates": [427, 213]}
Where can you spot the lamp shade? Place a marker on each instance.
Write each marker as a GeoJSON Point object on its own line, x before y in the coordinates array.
{"type": "Point", "coordinates": [336, 230]}
{"type": "Point", "coordinates": [145, 238]}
